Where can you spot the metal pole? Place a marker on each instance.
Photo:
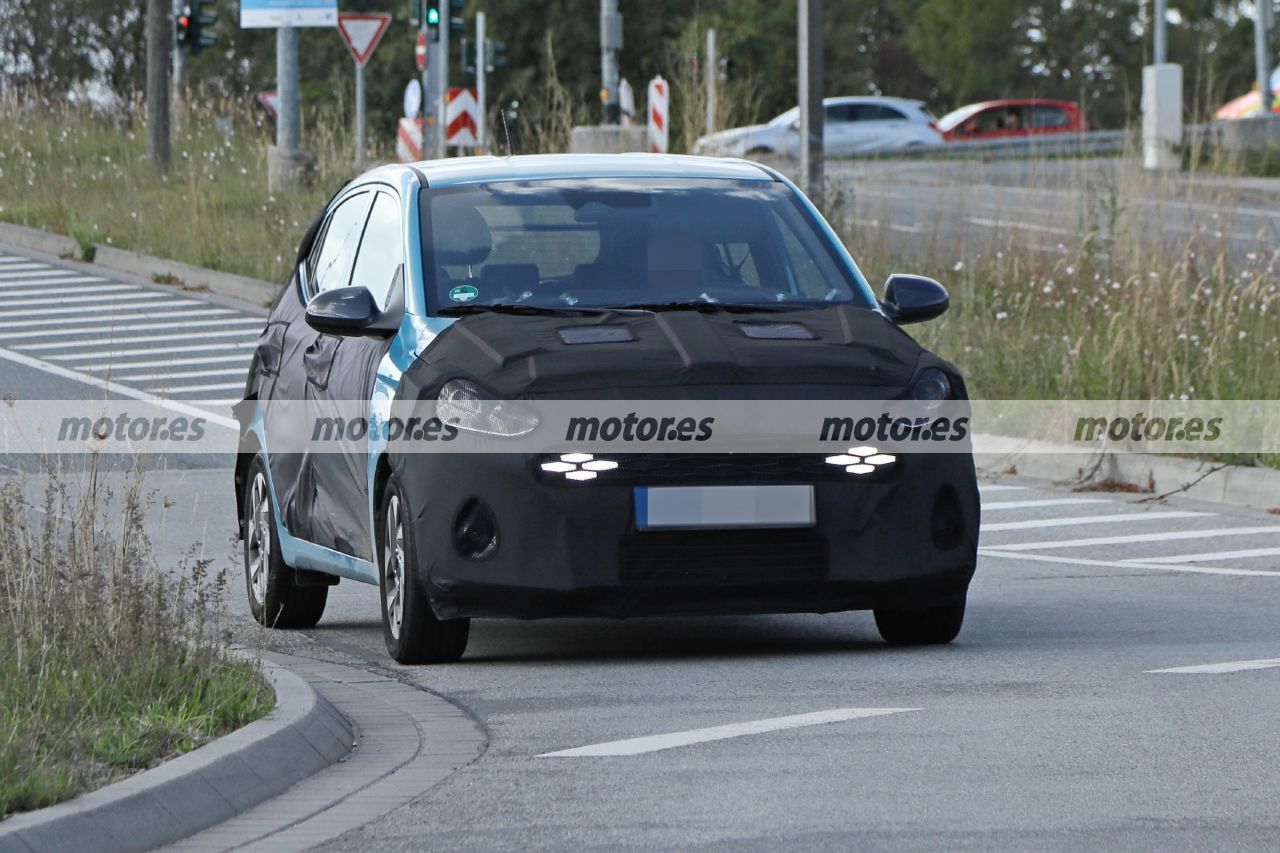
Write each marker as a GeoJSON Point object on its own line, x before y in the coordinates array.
{"type": "Point", "coordinates": [1262, 57]}
{"type": "Point", "coordinates": [811, 112]}
{"type": "Point", "coordinates": [179, 56]}
{"type": "Point", "coordinates": [482, 62]}
{"type": "Point", "coordinates": [427, 110]}
{"type": "Point", "coordinates": [712, 72]}
{"type": "Point", "coordinates": [159, 41]}
{"type": "Point", "coordinates": [289, 122]}
{"type": "Point", "coordinates": [610, 44]}
{"type": "Point", "coordinates": [360, 116]}
{"type": "Point", "coordinates": [442, 80]}
{"type": "Point", "coordinates": [1159, 21]}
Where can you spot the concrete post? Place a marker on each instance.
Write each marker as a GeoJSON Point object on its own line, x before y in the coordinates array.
{"type": "Point", "coordinates": [482, 62]}
{"type": "Point", "coordinates": [610, 45]}
{"type": "Point", "coordinates": [811, 111]}
{"type": "Point", "coordinates": [286, 164]}
{"type": "Point", "coordinates": [712, 72]}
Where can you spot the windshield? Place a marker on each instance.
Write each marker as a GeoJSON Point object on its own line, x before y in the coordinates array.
{"type": "Point", "coordinates": [629, 242]}
{"type": "Point", "coordinates": [789, 117]}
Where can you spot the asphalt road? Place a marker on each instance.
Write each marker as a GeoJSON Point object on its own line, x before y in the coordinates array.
{"type": "Point", "coordinates": [1042, 726]}
{"type": "Point", "coordinates": [956, 208]}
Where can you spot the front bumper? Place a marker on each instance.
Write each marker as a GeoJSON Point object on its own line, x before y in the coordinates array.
{"type": "Point", "coordinates": [574, 549]}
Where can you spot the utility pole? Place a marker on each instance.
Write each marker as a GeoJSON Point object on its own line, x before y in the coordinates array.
{"type": "Point", "coordinates": [159, 42]}
{"type": "Point", "coordinates": [811, 112]}
{"type": "Point", "coordinates": [482, 62]}
{"type": "Point", "coordinates": [1160, 25]}
{"type": "Point", "coordinates": [442, 80]}
{"type": "Point", "coordinates": [1262, 55]}
{"type": "Point", "coordinates": [610, 45]}
{"type": "Point", "coordinates": [179, 61]}
{"type": "Point", "coordinates": [712, 71]}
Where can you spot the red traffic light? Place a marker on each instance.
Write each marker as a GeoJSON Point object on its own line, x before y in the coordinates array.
{"type": "Point", "coordinates": [184, 22]}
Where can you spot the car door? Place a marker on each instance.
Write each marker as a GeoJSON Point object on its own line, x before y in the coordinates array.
{"type": "Point", "coordinates": [838, 130]}
{"type": "Point", "coordinates": [341, 375]}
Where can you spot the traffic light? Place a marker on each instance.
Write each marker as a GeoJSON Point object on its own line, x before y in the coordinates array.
{"type": "Point", "coordinates": [456, 24]}
{"type": "Point", "coordinates": [495, 54]}
{"type": "Point", "coordinates": [433, 23]}
{"type": "Point", "coordinates": [468, 56]}
{"type": "Point", "coordinates": [191, 25]}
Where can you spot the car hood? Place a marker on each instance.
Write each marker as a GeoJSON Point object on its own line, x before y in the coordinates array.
{"type": "Point", "coordinates": [852, 353]}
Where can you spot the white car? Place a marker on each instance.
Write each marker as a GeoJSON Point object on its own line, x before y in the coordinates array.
{"type": "Point", "coordinates": [853, 125]}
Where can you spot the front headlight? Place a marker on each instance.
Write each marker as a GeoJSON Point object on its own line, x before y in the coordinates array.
{"type": "Point", "coordinates": [468, 405]}
{"type": "Point", "coordinates": [931, 388]}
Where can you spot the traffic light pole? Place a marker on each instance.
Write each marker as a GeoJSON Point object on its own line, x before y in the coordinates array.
{"type": "Point", "coordinates": [482, 62]}
{"type": "Point", "coordinates": [712, 71]}
{"type": "Point", "coordinates": [159, 42]}
{"type": "Point", "coordinates": [179, 60]}
{"type": "Point", "coordinates": [442, 81]}
{"type": "Point", "coordinates": [811, 112]}
{"type": "Point", "coordinates": [610, 44]}
{"type": "Point", "coordinates": [1262, 57]}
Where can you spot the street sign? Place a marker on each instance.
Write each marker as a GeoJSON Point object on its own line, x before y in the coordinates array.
{"type": "Point", "coordinates": [420, 52]}
{"type": "Point", "coordinates": [409, 140]}
{"type": "Point", "coordinates": [460, 118]}
{"type": "Point", "coordinates": [412, 99]}
{"type": "Point", "coordinates": [361, 31]}
{"type": "Point", "coordinates": [270, 99]}
{"type": "Point", "coordinates": [659, 115]}
{"type": "Point", "coordinates": [288, 13]}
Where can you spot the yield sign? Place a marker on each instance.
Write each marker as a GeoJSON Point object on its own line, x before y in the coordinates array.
{"type": "Point", "coordinates": [362, 31]}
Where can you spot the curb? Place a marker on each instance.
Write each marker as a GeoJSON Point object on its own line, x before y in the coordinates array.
{"type": "Point", "coordinates": [301, 736]}
{"type": "Point", "coordinates": [151, 268]}
{"type": "Point", "coordinates": [1234, 485]}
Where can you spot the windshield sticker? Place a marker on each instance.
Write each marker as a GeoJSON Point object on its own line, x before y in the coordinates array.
{"type": "Point", "coordinates": [463, 293]}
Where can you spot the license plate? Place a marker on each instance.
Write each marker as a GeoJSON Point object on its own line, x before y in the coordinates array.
{"type": "Point", "coordinates": [680, 507]}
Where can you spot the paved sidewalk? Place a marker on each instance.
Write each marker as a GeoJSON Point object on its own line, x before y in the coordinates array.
{"type": "Point", "coordinates": [407, 741]}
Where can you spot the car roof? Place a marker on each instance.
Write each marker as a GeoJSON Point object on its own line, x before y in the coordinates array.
{"type": "Point", "coordinates": [873, 99]}
{"type": "Point", "coordinates": [1020, 102]}
{"type": "Point", "coordinates": [485, 169]}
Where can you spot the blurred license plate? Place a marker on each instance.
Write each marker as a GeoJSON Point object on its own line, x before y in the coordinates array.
{"type": "Point", "coordinates": [676, 507]}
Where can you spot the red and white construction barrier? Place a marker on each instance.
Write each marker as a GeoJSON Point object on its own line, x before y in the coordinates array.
{"type": "Point", "coordinates": [659, 115]}
{"type": "Point", "coordinates": [409, 140]}
{"type": "Point", "coordinates": [461, 119]}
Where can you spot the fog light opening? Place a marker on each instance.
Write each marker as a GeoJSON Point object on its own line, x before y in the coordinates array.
{"type": "Point", "coordinates": [947, 524]}
{"type": "Point", "coordinates": [475, 531]}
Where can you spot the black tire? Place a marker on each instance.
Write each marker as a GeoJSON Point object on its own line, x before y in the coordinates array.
{"type": "Point", "coordinates": [929, 626]}
{"type": "Point", "coordinates": [409, 626]}
{"type": "Point", "coordinates": [275, 599]}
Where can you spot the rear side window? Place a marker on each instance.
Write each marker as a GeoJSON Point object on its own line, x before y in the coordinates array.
{"type": "Point", "coordinates": [1049, 117]}
{"type": "Point", "coordinates": [336, 251]}
{"type": "Point", "coordinates": [876, 112]}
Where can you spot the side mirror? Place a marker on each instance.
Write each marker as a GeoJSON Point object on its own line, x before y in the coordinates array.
{"type": "Point", "coordinates": [913, 299]}
{"type": "Point", "coordinates": [351, 311]}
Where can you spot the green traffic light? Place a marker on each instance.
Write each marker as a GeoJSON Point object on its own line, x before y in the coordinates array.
{"type": "Point", "coordinates": [433, 17]}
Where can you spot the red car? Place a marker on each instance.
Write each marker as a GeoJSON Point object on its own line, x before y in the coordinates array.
{"type": "Point", "coordinates": [1012, 117]}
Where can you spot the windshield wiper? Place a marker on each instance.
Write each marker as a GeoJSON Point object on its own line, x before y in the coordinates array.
{"type": "Point", "coordinates": [506, 308]}
{"type": "Point", "coordinates": [712, 307]}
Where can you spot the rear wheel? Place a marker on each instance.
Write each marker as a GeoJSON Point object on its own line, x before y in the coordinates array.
{"type": "Point", "coordinates": [412, 632]}
{"type": "Point", "coordinates": [275, 599]}
{"type": "Point", "coordinates": [928, 626]}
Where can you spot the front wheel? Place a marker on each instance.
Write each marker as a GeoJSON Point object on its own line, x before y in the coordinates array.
{"type": "Point", "coordinates": [929, 626]}
{"type": "Point", "coordinates": [412, 632]}
{"type": "Point", "coordinates": [275, 599]}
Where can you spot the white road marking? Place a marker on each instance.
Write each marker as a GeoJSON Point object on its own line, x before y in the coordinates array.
{"type": "Point", "coordinates": [1218, 555]}
{"type": "Point", "coordinates": [249, 338]}
{"type": "Point", "coordinates": [60, 294]}
{"type": "Point", "coordinates": [987, 488]}
{"type": "Point", "coordinates": [1114, 564]}
{"type": "Point", "coordinates": [1089, 519]}
{"type": "Point", "coordinates": [107, 335]}
{"type": "Point", "coordinates": [187, 389]}
{"type": "Point", "coordinates": [1139, 537]}
{"type": "Point", "coordinates": [108, 299]}
{"type": "Point", "coordinates": [654, 743]}
{"type": "Point", "coordinates": [88, 313]}
{"type": "Point", "coordinates": [892, 226]}
{"type": "Point", "coordinates": [193, 374]}
{"type": "Point", "coordinates": [1008, 223]}
{"type": "Point", "coordinates": [88, 347]}
{"type": "Point", "coordinates": [185, 408]}
{"type": "Point", "coordinates": [46, 279]}
{"type": "Point", "coordinates": [1219, 668]}
{"type": "Point", "coordinates": [242, 358]}
{"type": "Point", "coordinates": [114, 323]}
{"type": "Point", "coordinates": [1040, 503]}
{"type": "Point", "coordinates": [27, 266]}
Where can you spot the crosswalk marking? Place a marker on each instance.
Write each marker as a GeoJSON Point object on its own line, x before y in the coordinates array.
{"type": "Point", "coordinates": [106, 366]}
{"type": "Point", "coordinates": [113, 323]}
{"type": "Point", "coordinates": [1117, 564]}
{"type": "Point", "coordinates": [248, 337]}
{"type": "Point", "coordinates": [108, 299]}
{"type": "Point", "coordinates": [1217, 555]}
{"type": "Point", "coordinates": [225, 386]}
{"type": "Point", "coordinates": [89, 313]}
{"type": "Point", "coordinates": [192, 374]}
{"type": "Point", "coordinates": [989, 488]}
{"type": "Point", "coordinates": [1070, 521]}
{"type": "Point", "coordinates": [28, 266]}
{"type": "Point", "coordinates": [41, 278]}
{"type": "Point", "coordinates": [1219, 668]}
{"type": "Point", "coordinates": [1032, 504]}
{"type": "Point", "coordinates": [109, 333]}
{"type": "Point", "coordinates": [1138, 537]}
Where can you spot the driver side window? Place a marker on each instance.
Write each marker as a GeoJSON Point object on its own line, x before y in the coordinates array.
{"type": "Point", "coordinates": [335, 252]}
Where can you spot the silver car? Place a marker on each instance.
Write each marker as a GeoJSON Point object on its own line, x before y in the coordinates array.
{"type": "Point", "coordinates": [853, 125]}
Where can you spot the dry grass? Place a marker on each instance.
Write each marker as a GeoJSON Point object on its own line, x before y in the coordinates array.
{"type": "Point", "coordinates": [109, 663]}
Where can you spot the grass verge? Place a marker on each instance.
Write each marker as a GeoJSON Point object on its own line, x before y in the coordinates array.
{"type": "Point", "coordinates": [109, 664]}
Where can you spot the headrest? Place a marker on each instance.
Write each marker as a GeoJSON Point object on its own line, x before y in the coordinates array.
{"type": "Point", "coordinates": [459, 235]}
